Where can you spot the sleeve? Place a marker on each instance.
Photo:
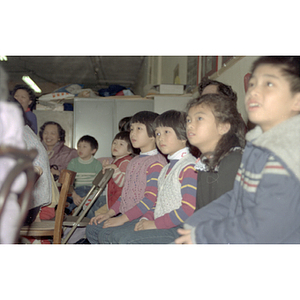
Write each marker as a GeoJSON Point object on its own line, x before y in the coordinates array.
{"type": "Point", "coordinates": [150, 194]}
{"type": "Point", "coordinates": [116, 206]}
{"type": "Point", "coordinates": [98, 166]}
{"type": "Point", "coordinates": [188, 180]}
{"type": "Point", "coordinates": [272, 217]}
{"type": "Point", "coordinates": [119, 174]}
{"type": "Point", "coordinates": [34, 123]}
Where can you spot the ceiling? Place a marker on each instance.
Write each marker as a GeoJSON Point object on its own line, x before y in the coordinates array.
{"type": "Point", "coordinates": [93, 72]}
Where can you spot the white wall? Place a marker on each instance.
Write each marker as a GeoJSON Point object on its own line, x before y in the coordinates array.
{"type": "Point", "coordinates": [234, 76]}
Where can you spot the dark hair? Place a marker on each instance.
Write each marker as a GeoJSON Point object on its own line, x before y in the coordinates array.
{"type": "Point", "coordinates": [224, 111]}
{"type": "Point", "coordinates": [124, 124]}
{"type": "Point", "coordinates": [147, 118]}
{"type": "Point", "coordinates": [222, 88]}
{"type": "Point", "coordinates": [290, 66]}
{"type": "Point", "coordinates": [61, 131]}
{"type": "Point", "coordinates": [174, 119]}
{"type": "Point", "coordinates": [89, 139]}
{"type": "Point", "coordinates": [30, 92]}
{"type": "Point", "coordinates": [125, 136]}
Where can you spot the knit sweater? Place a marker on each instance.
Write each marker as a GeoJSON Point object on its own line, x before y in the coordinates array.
{"type": "Point", "coordinates": [169, 187]}
{"type": "Point", "coordinates": [136, 180]}
{"type": "Point", "coordinates": [177, 184]}
{"type": "Point", "coordinates": [86, 170]}
{"type": "Point", "coordinates": [116, 183]}
{"type": "Point", "coordinates": [264, 204]}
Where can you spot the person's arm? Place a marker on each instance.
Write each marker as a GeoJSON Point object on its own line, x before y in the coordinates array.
{"type": "Point", "coordinates": [119, 173]}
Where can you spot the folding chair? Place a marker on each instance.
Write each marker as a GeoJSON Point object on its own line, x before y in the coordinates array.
{"type": "Point", "coordinates": [23, 163]}
{"type": "Point", "coordinates": [53, 228]}
{"type": "Point", "coordinates": [76, 221]}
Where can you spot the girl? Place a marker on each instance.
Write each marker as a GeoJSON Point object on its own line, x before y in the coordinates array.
{"type": "Point", "coordinates": [176, 189]}
{"type": "Point", "coordinates": [216, 129]}
{"type": "Point", "coordinates": [140, 186]}
{"type": "Point", "coordinates": [122, 153]}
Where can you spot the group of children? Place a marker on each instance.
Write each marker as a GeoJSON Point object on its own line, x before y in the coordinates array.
{"type": "Point", "coordinates": [232, 193]}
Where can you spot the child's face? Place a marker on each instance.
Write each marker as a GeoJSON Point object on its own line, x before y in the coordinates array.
{"type": "Point", "coordinates": [167, 141]}
{"type": "Point", "coordinates": [119, 148]}
{"type": "Point", "coordinates": [140, 139]}
{"type": "Point", "coordinates": [269, 100]}
{"type": "Point", "coordinates": [85, 150]}
{"type": "Point", "coordinates": [50, 136]}
{"type": "Point", "coordinates": [23, 98]}
{"type": "Point", "coordinates": [202, 130]}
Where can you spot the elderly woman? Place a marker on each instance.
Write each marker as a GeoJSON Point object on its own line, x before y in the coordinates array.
{"type": "Point", "coordinates": [53, 138]}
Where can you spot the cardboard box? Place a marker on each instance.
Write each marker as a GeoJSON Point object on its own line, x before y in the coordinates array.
{"type": "Point", "coordinates": [171, 89]}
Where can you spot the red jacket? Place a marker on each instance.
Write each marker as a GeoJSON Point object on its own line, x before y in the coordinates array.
{"type": "Point", "coordinates": [114, 189]}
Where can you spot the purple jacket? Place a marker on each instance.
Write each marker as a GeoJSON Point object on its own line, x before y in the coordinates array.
{"type": "Point", "coordinates": [61, 155]}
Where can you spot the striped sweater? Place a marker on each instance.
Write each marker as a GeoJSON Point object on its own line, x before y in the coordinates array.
{"type": "Point", "coordinates": [86, 170]}
{"type": "Point", "coordinates": [186, 181]}
{"type": "Point", "coordinates": [140, 187]}
{"type": "Point", "coordinates": [264, 204]}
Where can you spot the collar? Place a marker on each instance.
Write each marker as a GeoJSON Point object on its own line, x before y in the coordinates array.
{"type": "Point", "coordinates": [201, 165]}
{"type": "Point", "coordinates": [86, 162]}
{"type": "Point", "coordinates": [151, 152]}
{"type": "Point", "coordinates": [179, 154]}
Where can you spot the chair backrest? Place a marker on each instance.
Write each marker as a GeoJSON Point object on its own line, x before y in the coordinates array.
{"type": "Point", "coordinates": [66, 179]}
{"type": "Point", "coordinates": [23, 164]}
{"type": "Point", "coordinates": [99, 183]}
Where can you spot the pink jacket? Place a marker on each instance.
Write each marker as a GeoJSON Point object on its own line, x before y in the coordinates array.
{"type": "Point", "coordinates": [61, 155]}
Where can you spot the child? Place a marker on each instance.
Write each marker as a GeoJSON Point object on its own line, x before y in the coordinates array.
{"type": "Point", "coordinates": [122, 153]}
{"type": "Point", "coordinates": [216, 129]}
{"type": "Point", "coordinates": [177, 184]}
{"type": "Point", "coordinates": [86, 167]}
{"type": "Point", "coordinates": [140, 186]}
{"type": "Point", "coordinates": [264, 204]}
{"type": "Point", "coordinates": [26, 97]}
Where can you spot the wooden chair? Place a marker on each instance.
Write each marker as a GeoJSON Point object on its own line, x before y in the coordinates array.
{"type": "Point", "coordinates": [23, 164]}
{"type": "Point", "coordinates": [74, 221]}
{"type": "Point", "coordinates": [53, 228]}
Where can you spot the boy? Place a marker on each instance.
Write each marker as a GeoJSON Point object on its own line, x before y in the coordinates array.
{"type": "Point", "coordinates": [86, 167]}
{"type": "Point", "coordinates": [264, 205]}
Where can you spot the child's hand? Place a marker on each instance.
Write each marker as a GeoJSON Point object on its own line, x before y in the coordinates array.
{"type": "Point", "coordinates": [185, 236]}
{"type": "Point", "coordinates": [117, 221]}
{"type": "Point", "coordinates": [98, 219]}
{"type": "Point", "coordinates": [105, 163]}
{"type": "Point", "coordinates": [76, 198]}
{"type": "Point", "coordinates": [112, 166]}
{"type": "Point", "coordinates": [144, 225]}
